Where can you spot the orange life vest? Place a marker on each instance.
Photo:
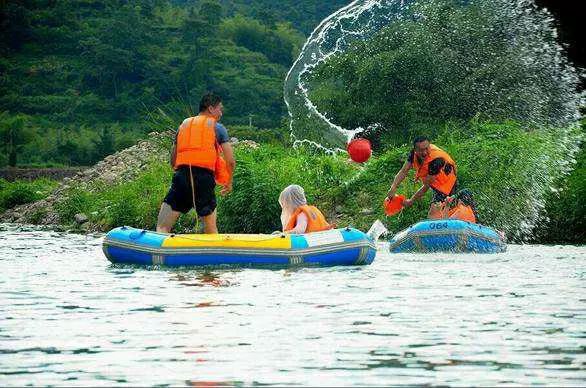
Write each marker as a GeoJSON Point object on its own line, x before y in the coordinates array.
{"type": "Point", "coordinates": [438, 211]}
{"type": "Point", "coordinates": [316, 221]}
{"type": "Point", "coordinates": [442, 182]}
{"type": "Point", "coordinates": [462, 212]}
{"type": "Point", "coordinates": [196, 143]}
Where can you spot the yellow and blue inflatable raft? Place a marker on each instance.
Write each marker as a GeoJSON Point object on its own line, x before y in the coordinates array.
{"type": "Point", "coordinates": [346, 246]}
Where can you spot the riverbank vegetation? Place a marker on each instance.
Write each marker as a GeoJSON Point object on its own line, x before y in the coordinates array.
{"type": "Point", "coordinates": [352, 194]}
{"type": "Point", "coordinates": [22, 192]}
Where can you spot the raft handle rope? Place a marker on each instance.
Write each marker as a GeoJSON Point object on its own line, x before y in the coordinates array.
{"type": "Point", "coordinates": [184, 237]}
{"type": "Point", "coordinates": [136, 235]}
{"type": "Point", "coordinates": [192, 185]}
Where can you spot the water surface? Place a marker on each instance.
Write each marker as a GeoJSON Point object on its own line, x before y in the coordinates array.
{"type": "Point", "coordinates": [69, 317]}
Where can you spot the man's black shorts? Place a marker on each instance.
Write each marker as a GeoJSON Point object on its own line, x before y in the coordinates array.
{"type": "Point", "coordinates": [180, 197]}
{"type": "Point", "coordinates": [438, 196]}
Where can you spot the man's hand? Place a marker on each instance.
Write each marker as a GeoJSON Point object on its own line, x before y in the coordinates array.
{"type": "Point", "coordinates": [226, 189]}
{"type": "Point", "coordinates": [408, 202]}
{"type": "Point", "coordinates": [391, 193]}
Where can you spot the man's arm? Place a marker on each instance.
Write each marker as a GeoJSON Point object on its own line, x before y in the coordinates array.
{"type": "Point", "coordinates": [228, 153]}
{"type": "Point", "coordinates": [399, 178]}
{"type": "Point", "coordinates": [420, 193]}
{"type": "Point", "coordinates": [174, 149]}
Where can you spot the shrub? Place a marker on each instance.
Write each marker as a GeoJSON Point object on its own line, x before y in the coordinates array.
{"type": "Point", "coordinates": [509, 169]}
{"type": "Point", "coordinates": [261, 175]}
{"type": "Point", "coordinates": [21, 192]}
{"type": "Point", "coordinates": [566, 208]}
{"type": "Point", "coordinates": [75, 201]}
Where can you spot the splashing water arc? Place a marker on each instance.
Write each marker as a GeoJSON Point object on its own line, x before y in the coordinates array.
{"type": "Point", "coordinates": [358, 20]}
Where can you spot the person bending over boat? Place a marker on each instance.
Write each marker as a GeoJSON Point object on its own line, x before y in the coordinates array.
{"type": "Point", "coordinates": [297, 216]}
{"type": "Point", "coordinates": [460, 206]}
{"type": "Point", "coordinates": [433, 167]}
{"type": "Point", "coordinates": [195, 158]}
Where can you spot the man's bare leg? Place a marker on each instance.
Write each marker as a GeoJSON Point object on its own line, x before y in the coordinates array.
{"type": "Point", "coordinates": [209, 223]}
{"type": "Point", "coordinates": [167, 218]}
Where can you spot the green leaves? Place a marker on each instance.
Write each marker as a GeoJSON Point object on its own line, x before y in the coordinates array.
{"type": "Point", "coordinates": [280, 43]}
{"type": "Point", "coordinates": [15, 132]}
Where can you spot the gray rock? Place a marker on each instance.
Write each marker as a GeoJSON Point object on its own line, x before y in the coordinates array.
{"type": "Point", "coordinates": [81, 218]}
{"type": "Point", "coordinates": [109, 178]}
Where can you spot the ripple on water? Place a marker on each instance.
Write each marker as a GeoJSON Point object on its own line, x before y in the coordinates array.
{"type": "Point", "coordinates": [72, 317]}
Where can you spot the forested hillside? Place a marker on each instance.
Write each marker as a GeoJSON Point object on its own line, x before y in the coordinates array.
{"type": "Point", "coordinates": [80, 79]}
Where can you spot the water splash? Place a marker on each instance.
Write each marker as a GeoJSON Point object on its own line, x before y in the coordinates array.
{"type": "Point", "coordinates": [512, 69]}
{"type": "Point", "coordinates": [358, 20]}
{"type": "Point", "coordinates": [516, 70]}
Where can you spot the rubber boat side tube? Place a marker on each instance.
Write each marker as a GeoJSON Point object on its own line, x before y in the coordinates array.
{"type": "Point", "coordinates": [346, 246]}
{"type": "Point", "coordinates": [447, 236]}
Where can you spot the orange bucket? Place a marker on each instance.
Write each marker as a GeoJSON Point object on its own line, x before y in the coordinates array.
{"type": "Point", "coordinates": [393, 206]}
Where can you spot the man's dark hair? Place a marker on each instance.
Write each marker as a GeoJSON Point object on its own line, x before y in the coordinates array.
{"type": "Point", "coordinates": [468, 199]}
{"type": "Point", "coordinates": [419, 139]}
{"type": "Point", "coordinates": [209, 99]}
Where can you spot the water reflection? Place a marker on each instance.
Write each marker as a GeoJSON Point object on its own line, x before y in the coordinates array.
{"type": "Point", "coordinates": [203, 384]}
{"type": "Point", "coordinates": [201, 279]}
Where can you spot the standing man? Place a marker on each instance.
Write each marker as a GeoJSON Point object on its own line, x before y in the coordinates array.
{"type": "Point", "coordinates": [434, 167]}
{"type": "Point", "coordinates": [194, 159]}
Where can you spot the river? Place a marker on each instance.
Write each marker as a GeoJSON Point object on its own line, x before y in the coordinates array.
{"type": "Point", "coordinates": [70, 317]}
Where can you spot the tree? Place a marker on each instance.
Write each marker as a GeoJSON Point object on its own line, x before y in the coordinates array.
{"type": "Point", "coordinates": [449, 60]}
{"type": "Point", "coordinates": [211, 11]}
{"type": "Point", "coordinates": [15, 132]}
{"type": "Point", "coordinates": [105, 145]}
{"type": "Point", "coordinates": [14, 26]}
{"type": "Point", "coordinates": [117, 51]}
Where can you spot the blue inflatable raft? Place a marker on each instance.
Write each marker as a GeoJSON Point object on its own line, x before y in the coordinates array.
{"type": "Point", "coordinates": [447, 236]}
{"type": "Point", "coordinates": [333, 247]}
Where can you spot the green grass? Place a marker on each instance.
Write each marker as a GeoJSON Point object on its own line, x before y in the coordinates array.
{"type": "Point", "coordinates": [21, 192]}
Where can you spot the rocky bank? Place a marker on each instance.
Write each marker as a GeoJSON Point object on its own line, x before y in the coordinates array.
{"type": "Point", "coordinates": [122, 166]}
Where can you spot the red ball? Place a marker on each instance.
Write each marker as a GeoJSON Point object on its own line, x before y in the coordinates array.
{"type": "Point", "coordinates": [359, 150]}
